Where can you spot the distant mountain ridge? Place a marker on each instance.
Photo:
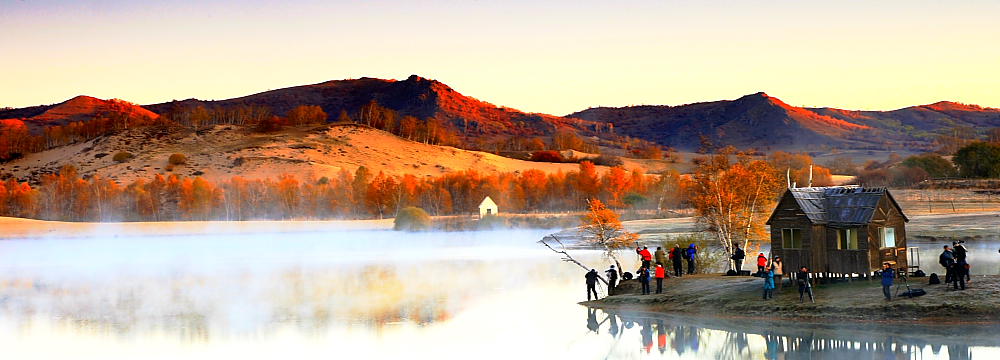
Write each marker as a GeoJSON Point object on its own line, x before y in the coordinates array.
{"type": "Point", "coordinates": [767, 123]}
{"type": "Point", "coordinates": [753, 121]}
{"type": "Point", "coordinates": [415, 96]}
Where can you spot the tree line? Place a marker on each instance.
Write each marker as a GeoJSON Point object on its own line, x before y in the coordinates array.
{"type": "Point", "coordinates": [360, 194]}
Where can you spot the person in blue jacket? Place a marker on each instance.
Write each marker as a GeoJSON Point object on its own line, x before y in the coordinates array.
{"type": "Point", "coordinates": [692, 251]}
{"type": "Point", "coordinates": [768, 276]}
{"type": "Point", "coordinates": [888, 275]}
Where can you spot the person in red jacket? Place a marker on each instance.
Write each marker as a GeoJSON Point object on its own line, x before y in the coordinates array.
{"type": "Point", "coordinates": [646, 256]}
{"type": "Point", "coordinates": [761, 263]}
{"type": "Point", "coordinates": [660, 274]}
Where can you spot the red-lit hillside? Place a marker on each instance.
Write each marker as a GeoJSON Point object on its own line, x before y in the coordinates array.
{"type": "Point", "coordinates": [415, 96]}
{"type": "Point", "coordinates": [78, 109]}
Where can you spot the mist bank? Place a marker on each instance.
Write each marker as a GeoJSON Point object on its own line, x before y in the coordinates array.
{"type": "Point", "coordinates": [20, 228]}
{"type": "Point", "coordinates": [858, 300]}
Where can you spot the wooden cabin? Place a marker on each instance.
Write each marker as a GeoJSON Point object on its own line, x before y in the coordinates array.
{"type": "Point", "coordinates": [839, 231]}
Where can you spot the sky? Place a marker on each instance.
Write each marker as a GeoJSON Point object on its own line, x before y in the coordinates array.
{"type": "Point", "coordinates": [552, 57]}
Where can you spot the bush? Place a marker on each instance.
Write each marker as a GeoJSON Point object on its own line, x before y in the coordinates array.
{"type": "Point", "coordinates": [547, 156]}
{"type": "Point", "coordinates": [607, 160]}
{"type": "Point", "coordinates": [935, 165]}
{"type": "Point", "coordinates": [978, 160]}
{"type": "Point", "coordinates": [711, 257]}
{"type": "Point", "coordinates": [177, 159]}
{"type": "Point", "coordinates": [411, 218]}
{"type": "Point", "coordinates": [122, 156]}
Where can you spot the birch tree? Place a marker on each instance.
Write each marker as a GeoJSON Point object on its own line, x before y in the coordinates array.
{"type": "Point", "coordinates": [732, 199]}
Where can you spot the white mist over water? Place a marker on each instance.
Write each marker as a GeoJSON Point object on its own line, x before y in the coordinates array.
{"type": "Point", "coordinates": [331, 294]}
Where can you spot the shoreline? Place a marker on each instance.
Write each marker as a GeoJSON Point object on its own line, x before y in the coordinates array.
{"type": "Point", "coordinates": [858, 300]}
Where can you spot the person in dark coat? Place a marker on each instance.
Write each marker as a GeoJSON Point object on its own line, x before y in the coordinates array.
{"type": "Point", "coordinates": [675, 258]}
{"type": "Point", "coordinates": [644, 280]}
{"type": "Point", "coordinates": [802, 277]}
{"type": "Point", "coordinates": [612, 279]}
{"type": "Point", "coordinates": [591, 283]}
{"type": "Point", "coordinates": [947, 260]}
{"type": "Point", "coordinates": [692, 252]}
{"type": "Point", "coordinates": [961, 256]}
{"type": "Point", "coordinates": [738, 256]}
{"type": "Point", "coordinates": [888, 276]}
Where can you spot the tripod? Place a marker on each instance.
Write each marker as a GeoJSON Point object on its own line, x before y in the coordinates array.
{"type": "Point", "coordinates": [905, 282]}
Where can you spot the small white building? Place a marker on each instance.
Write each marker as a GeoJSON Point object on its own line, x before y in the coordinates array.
{"type": "Point", "coordinates": [488, 207]}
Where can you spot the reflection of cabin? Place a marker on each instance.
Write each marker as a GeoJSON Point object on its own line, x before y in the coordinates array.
{"type": "Point", "coordinates": [839, 230]}
{"type": "Point", "coordinates": [487, 207]}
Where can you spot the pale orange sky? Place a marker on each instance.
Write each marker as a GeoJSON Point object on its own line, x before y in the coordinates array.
{"type": "Point", "coordinates": [553, 57]}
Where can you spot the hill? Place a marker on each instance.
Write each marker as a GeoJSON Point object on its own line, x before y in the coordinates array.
{"type": "Point", "coordinates": [224, 151]}
{"type": "Point", "coordinates": [767, 123]}
{"type": "Point", "coordinates": [78, 109]}
{"type": "Point", "coordinates": [415, 96]}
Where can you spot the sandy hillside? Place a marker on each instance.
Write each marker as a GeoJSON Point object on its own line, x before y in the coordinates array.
{"type": "Point", "coordinates": [224, 151]}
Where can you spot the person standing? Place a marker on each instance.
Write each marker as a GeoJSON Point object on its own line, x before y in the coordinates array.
{"type": "Point", "coordinates": [675, 258]}
{"type": "Point", "coordinates": [888, 275]}
{"type": "Point", "coordinates": [660, 274]}
{"type": "Point", "coordinates": [660, 256]}
{"type": "Point", "coordinates": [947, 260]}
{"type": "Point", "coordinates": [768, 284]}
{"type": "Point", "coordinates": [645, 256]}
{"type": "Point", "coordinates": [761, 263]}
{"type": "Point", "coordinates": [778, 267]}
{"type": "Point", "coordinates": [802, 277]}
{"type": "Point", "coordinates": [612, 279]}
{"type": "Point", "coordinates": [961, 256]}
{"type": "Point", "coordinates": [958, 274]}
{"type": "Point", "coordinates": [692, 251]}
{"type": "Point", "coordinates": [738, 256]}
{"type": "Point", "coordinates": [591, 283]}
{"type": "Point", "coordinates": [644, 280]}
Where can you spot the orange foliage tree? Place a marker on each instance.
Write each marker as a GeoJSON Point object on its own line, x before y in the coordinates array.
{"type": "Point", "coordinates": [604, 230]}
{"type": "Point", "coordinates": [732, 198]}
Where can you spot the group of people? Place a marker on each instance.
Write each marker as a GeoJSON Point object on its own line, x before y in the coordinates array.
{"type": "Point", "coordinates": [647, 271]}
{"type": "Point", "coordinates": [956, 265]}
{"type": "Point", "coordinates": [773, 273]}
{"type": "Point", "coordinates": [676, 255]}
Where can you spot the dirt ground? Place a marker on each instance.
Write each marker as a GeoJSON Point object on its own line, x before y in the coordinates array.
{"type": "Point", "coordinates": [849, 300]}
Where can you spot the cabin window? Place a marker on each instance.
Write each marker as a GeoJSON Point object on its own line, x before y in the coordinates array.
{"type": "Point", "coordinates": [791, 238]}
{"type": "Point", "coordinates": [888, 237]}
{"type": "Point", "coordinates": [847, 239]}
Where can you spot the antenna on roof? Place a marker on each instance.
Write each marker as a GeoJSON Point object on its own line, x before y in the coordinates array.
{"type": "Point", "coordinates": [788, 177]}
{"type": "Point", "coordinates": [810, 175]}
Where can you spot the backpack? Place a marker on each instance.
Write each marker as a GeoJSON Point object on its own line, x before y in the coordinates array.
{"type": "Point", "coordinates": [934, 280]}
{"type": "Point", "coordinates": [685, 255]}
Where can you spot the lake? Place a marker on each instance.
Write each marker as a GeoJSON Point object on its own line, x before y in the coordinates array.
{"type": "Point", "coordinates": [380, 294]}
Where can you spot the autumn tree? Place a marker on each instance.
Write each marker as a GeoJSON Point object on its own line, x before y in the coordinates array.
{"type": "Point", "coordinates": [732, 198]}
{"type": "Point", "coordinates": [306, 114]}
{"type": "Point", "coordinates": [603, 229]}
{"type": "Point", "coordinates": [381, 194]}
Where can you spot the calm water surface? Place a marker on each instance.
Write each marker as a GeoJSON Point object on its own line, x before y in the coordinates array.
{"type": "Point", "coordinates": [379, 294]}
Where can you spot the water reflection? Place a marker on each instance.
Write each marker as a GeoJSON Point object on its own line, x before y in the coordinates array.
{"type": "Point", "coordinates": [679, 336]}
{"type": "Point", "coordinates": [374, 295]}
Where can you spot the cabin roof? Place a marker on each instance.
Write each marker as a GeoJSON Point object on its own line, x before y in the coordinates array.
{"type": "Point", "coordinates": [840, 205]}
